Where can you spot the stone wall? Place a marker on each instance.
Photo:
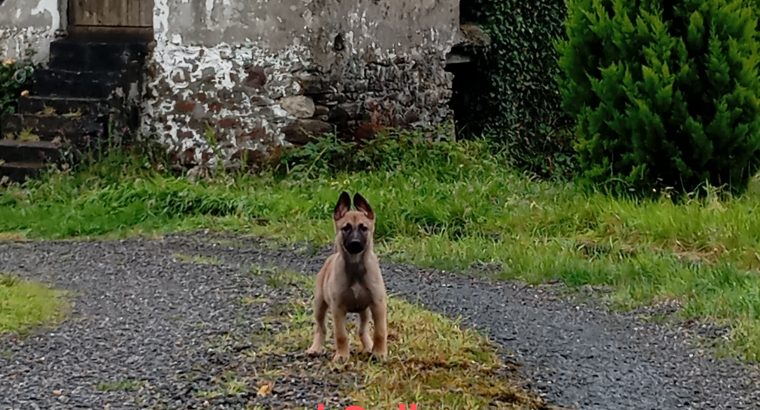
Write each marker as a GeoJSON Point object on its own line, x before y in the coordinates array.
{"type": "Point", "coordinates": [28, 24]}
{"type": "Point", "coordinates": [236, 80]}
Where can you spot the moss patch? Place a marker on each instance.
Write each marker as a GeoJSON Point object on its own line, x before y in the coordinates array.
{"type": "Point", "coordinates": [26, 304]}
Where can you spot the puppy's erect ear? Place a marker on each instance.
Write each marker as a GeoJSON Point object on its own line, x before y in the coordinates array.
{"type": "Point", "coordinates": [343, 205]}
{"type": "Point", "coordinates": [362, 205]}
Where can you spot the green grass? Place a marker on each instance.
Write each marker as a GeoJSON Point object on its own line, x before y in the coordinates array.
{"type": "Point", "coordinates": [25, 305]}
{"type": "Point", "coordinates": [196, 259]}
{"type": "Point", "coordinates": [464, 371]}
{"type": "Point", "coordinates": [120, 385]}
{"type": "Point", "coordinates": [451, 206]}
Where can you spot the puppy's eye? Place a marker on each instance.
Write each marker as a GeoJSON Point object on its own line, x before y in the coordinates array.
{"type": "Point", "coordinates": [346, 228]}
{"type": "Point", "coordinates": [363, 228]}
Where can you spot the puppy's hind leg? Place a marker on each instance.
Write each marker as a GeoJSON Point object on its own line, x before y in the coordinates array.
{"type": "Point", "coordinates": [320, 313]}
{"type": "Point", "coordinates": [364, 330]}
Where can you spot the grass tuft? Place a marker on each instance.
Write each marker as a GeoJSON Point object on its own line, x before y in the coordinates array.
{"type": "Point", "coordinates": [25, 305]}
{"type": "Point", "coordinates": [125, 385]}
{"type": "Point", "coordinates": [196, 259]}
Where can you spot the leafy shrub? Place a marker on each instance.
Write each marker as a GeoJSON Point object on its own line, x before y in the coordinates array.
{"type": "Point", "coordinates": [15, 76]}
{"type": "Point", "coordinates": [665, 93]}
{"type": "Point", "coordinates": [517, 101]}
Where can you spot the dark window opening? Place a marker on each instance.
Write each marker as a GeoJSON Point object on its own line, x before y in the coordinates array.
{"type": "Point", "coordinates": [468, 84]}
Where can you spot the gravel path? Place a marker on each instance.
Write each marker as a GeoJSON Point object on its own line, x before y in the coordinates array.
{"type": "Point", "coordinates": [144, 314]}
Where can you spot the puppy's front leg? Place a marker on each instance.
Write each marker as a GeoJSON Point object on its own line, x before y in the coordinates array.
{"type": "Point", "coordinates": [341, 336]}
{"type": "Point", "coordinates": [320, 311]}
{"type": "Point", "coordinates": [380, 337]}
{"type": "Point", "coordinates": [364, 330]}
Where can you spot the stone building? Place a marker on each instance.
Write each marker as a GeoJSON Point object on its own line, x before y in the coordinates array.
{"type": "Point", "coordinates": [239, 78]}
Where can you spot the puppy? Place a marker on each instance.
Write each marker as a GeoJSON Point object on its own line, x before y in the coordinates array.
{"type": "Point", "coordinates": [350, 281]}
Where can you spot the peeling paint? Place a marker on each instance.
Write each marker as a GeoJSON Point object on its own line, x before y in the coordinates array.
{"type": "Point", "coordinates": [48, 8]}
{"type": "Point", "coordinates": [28, 25]}
{"type": "Point", "coordinates": [226, 67]}
{"type": "Point", "coordinates": [214, 89]}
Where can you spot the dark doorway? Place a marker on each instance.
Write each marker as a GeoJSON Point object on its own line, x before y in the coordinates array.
{"type": "Point", "coordinates": [468, 83]}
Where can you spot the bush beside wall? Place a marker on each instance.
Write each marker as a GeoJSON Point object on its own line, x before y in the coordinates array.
{"type": "Point", "coordinates": [665, 95]}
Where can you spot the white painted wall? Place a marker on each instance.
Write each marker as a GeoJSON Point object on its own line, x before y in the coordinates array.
{"type": "Point", "coordinates": [28, 24]}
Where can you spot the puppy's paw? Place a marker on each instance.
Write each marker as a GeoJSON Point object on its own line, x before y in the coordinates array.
{"type": "Point", "coordinates": [340, 357]}
{"type": "Point", "coordinates": [380, 353]}
{"type": "Point", "coordinates": [314, 351]}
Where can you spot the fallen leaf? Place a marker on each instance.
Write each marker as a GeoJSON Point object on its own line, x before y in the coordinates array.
{"type": "Point", "coordinates": [266, 389]}
{"type": "Point", "coordinates": [24, 93]}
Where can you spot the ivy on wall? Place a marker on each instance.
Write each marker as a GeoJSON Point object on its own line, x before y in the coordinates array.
{"type": "Point", "coordinates": [517, 99]}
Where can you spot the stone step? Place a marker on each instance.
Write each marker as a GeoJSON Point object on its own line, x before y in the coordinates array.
{"type": "Point", "coordinates": [63, 105]}
{"type": "Point", "coordinates": [110, 34]}
{"type": "Point", "coordinates": [71, 103]}
{"type": "Point", "coordinates": [78, 84]}
{"type": "Point", "coordinates": [20, 171]}
{"type": "Point", "coordinates": [29, 151]}
{"type": "Point", "coordinates": [96, 56]}
{"type": "Point", "coordinates": [79, 130]}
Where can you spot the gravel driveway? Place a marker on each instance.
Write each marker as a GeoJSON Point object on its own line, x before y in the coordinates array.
{"type": "Point", "coordinates": [144, 314]}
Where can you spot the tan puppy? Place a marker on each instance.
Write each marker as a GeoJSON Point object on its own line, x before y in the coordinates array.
{"type": "Point", "coordinates": [350, 281]}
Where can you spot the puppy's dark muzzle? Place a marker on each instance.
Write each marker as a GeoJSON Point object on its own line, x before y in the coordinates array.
{"type": "Point", "coordinates": [354, 247]}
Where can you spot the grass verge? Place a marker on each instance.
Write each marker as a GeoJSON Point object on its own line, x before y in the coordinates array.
{"type": "Point", "coordinates": [432, 361]}
{"type": "Point", "coordinates": [454, 206]}
{"type": "Point", "coordinates": [25, 305]}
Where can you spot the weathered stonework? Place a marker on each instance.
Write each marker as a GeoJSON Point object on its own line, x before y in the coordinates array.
{"type": "Point", "coordinates": [28, 25]}
{"type": "Point", "coordinates": [211, 103]}
{"type": "Point", "coordinates": [236, 80]}
{"type": "Point", "coordinates": [229, 82]}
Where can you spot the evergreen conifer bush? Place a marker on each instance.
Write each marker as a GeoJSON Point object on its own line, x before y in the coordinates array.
{"type": "Point", "coordinates": [665, 93]}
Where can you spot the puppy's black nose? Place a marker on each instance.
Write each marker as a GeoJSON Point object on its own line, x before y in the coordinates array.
{"type": "Point", "coordinates": [354, 247]}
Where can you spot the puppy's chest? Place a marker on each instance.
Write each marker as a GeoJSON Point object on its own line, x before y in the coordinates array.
{"type": "Point", "coordinates": [356, 297]}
